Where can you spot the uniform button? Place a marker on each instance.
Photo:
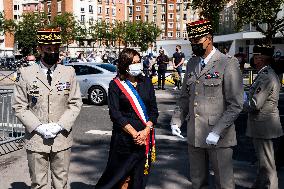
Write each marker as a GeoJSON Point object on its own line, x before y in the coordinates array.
{"type": "Point", "coordinates": [196, 93]}
{"type": "Point", "coordinates": [197, 82]}
{"type": "Point", "coordinates": [196, 115]}
{"type": "Point", "coordinates": [195, 103]}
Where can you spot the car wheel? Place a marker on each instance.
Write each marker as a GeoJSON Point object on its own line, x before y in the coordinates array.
{"type": "Point", "coordinates": [97, 95]}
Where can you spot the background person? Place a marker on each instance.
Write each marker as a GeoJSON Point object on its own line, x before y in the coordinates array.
{"type": "Point", "coordinates": [47, 100]}
{"type": "Point", "coordinates": [178, 60]}
{"type": "Point", "coordinates": [127, 160]}
{"type": "Point", "coordinates": [263, 123]}
{"type": "Point", "coordinates": [162, 61]}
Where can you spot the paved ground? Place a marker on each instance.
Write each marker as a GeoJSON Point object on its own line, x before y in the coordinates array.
{"type": "Point", "coordinates": [90, 151]}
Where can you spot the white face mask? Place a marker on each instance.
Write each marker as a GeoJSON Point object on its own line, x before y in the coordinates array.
{"type": "Point", "coordinates": [135, 69]}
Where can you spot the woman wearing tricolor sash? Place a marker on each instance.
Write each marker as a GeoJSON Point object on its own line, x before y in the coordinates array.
{"type": "Point", "coordinates": [133, 111]}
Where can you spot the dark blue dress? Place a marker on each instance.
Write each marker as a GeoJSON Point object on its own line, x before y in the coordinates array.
{"type": "Point", "coordinates": [125, 157]}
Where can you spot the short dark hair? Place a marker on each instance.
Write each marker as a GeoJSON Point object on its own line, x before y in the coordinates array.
{"type": "Point", "coordinates": [178, 46]}
{"type": "Point", "coordinates": [125, 58]}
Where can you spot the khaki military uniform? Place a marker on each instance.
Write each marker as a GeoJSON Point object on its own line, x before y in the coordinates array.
{"type": "Point", "coordinates": [264, 124]}
{"type": "Point", "coordinates": [36, 102]}
{"type": "Point", "coordinates": [211, 100]}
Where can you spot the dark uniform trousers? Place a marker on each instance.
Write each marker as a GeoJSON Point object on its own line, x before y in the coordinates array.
{"type": "Point", "coordinates": [161, 77]}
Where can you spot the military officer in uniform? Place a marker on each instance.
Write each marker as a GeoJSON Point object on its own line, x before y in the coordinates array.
{"type": "Point", "coordinates": [263, 116]}
{"type": "Point", "coordinates": [211, 100]}
{"type": "Point", "coordinates": [47, 100]}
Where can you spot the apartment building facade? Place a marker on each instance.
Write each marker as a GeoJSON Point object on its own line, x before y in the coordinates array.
{"type": "Point", "coordinates": [170, 16]}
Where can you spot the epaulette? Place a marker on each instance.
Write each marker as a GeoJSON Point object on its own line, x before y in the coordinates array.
{"type": "Point", "coordinates": [264, 72]}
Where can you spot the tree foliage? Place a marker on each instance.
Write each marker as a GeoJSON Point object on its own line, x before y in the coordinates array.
{"type": "Point", "coordinates": [258, 12]}
{"type": "Point", "coordinates": [26, 30]}
{"type": "Point", "coordinates": [128, 33]}
{"type": "Point", "coordinates": [210, 9]}
{"type": "Point", "coordinates": [70, 28]}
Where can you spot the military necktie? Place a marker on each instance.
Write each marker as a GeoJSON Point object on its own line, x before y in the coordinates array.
{"type": "Point", "coordinates": [202, 64]}
{"type": "Point", "coordinates": [49, 79]}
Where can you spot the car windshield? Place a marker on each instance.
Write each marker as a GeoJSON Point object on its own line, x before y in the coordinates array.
{"type": "Point", "coordinates": [108, 67]}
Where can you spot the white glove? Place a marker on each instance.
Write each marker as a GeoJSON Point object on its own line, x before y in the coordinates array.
{"type": "Point", "coordinates": [212, 138]}
{"type": "Point", "coordinates": [54, 128]}
{"type": "Point", "coordinates": [176, 130]}
{"type": "Point", "coordinates": [43, 129]}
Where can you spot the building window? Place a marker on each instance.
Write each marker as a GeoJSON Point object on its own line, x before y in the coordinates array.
{"type": "Point", "coordinates": [163, 8]}
{"type": "Point", "coordinates": [82, 18]}
{"type": "Point", "coordinates": [130, 10]}
{"type": "Point", "coordinates": [146, 18]}
{"type": "Point", "coordinates": [154, 18]}
{"type": "Point", "coordinates": [138, 1]}
{"type": "Point", "coordinates": [138, 17]}
{"type": "Point", "coordinates": [184, 17]}
{"type": "Point", "coordinates": [171, 16]}
{"type": "Point", "coordinates": [16, 7]}
{"type": "Point", "coordinates": [163, 26]}
{"type": "Point", "coordinates": [146, 9]}
{"type": "Point", "coordinates": [138, 8]}
{"type": "Point", "coordinates": [59, 6]}
{"type": "Point", "coordinates": [170, 34]}
{"type": "Point", "coordinates": [171, 6]}
{"type": "Point", "coordinates": [154, 9]}
{"type": "Point", "coordinates": [91, 9]}
{"type": "Point", "coordinates": [99, 1]}
{"type": "Point", "coordinates": [178, 34]}
{"type": "Point", "coordinates": [99, 10]}
{"type": "Point", "coordinates": [15, 17]}
{"type": "Point", "coordinates": [82, 9]}
{"type": "Point", "coordinates": [184, 35]}
{"type": "Point", "coordinates": [107, 11]}
{"type": "Point", "coordinates": [163, 17]}
{"type": "Point", "coordinates": [114, 11]}
{"type": "Point", "coordinates": [170, 25]}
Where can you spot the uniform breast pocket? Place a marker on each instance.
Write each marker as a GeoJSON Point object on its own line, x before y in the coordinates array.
{"type": "Point", "coordinates": [212, 87]}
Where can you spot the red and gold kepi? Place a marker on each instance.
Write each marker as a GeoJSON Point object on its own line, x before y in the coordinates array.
{"type": "Point", "coordinates": [199, 28]}
{"type": "Point", "coordinates": [49, 36]}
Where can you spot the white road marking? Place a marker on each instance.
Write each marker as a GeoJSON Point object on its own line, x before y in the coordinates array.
{"type": "Point", "coordinates": [87, 106]}
{"type": "Point", "coordinates": [158, 137]}
{"type": "Point", "coordinates": [166, 111]}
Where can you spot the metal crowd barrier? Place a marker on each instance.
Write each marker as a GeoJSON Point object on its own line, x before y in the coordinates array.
{"type": "Point", "coordinates": [11, 129]}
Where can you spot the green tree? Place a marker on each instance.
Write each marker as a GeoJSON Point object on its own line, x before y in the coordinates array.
{"type": "Point", "coordinates": [6, 25]}
{"type": "Point", "coordinates": [26, 30]}
{"type": "Point", "coordinates": [259, 12]}
{"type": "Point", "coordinates": [70, 28]}
{"type": "Point", "coordinates": [210, 9]}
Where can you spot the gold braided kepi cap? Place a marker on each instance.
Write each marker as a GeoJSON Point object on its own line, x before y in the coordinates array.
{"type": "Point", "coordinates": [263, 49]}
{"type": "Point", "coordinates": [49, 36]}
{"type": "Point", "coordinates": [199, 28]}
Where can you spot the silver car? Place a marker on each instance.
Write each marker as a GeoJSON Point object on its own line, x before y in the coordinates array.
{"type": "Point", "coordinates": [94, 80]}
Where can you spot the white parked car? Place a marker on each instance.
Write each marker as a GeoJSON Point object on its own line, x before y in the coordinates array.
{"type": "Point", "coordinates": [94, 80]}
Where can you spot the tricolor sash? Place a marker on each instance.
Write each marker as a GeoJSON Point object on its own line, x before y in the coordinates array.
{"type": "Point", "coordinates": [140, 109]}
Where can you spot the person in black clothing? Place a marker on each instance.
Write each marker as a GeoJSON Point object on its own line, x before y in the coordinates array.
{"type": "Point", "coordinates": [178, 60]}
{"type": "Point", "coordinates": [162, 61]}
{"type": "Point", "coordinates": [129, 135]}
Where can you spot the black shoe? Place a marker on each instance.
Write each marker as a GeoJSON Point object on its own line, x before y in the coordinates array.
{"type": "Point", "coordinates": [163, 88]}
{"type": "Point", "coordinates": [158, 88]}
